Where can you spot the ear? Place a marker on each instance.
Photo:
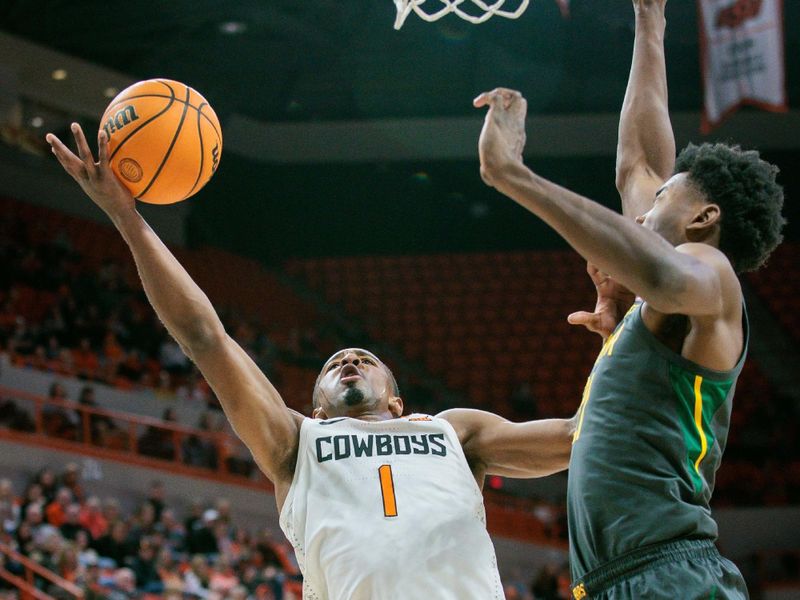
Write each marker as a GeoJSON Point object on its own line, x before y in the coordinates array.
{"type": "Point", "coordinates": [319, 413]}
{"type": "Point", "coordinates": [703, 222]}
{"type": "Point", "coordinates": [396, 406]}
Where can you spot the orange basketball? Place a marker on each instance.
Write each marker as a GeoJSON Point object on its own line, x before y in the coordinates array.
{"type": "Point", "coordinates": [165, 141]}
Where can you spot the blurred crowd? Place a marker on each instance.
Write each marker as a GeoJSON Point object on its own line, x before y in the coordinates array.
{"type": "Point", "coordinates": [155, 551]}
{"type": "Point", "coordinates": [61, 314]}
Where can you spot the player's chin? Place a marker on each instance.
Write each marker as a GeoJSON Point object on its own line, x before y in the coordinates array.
{"type": "Point", "coordinates": [353, 395]}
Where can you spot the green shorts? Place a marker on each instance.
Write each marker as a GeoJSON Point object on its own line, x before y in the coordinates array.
{"type": "Point", "coordinates": [683, 570]}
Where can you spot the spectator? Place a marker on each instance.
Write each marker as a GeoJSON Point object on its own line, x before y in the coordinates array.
{"type": "Point", "coordinates": [545, 586]}
{"type": "Point", "coordinates": [201, 539]}
{"type": "Point", "coordinates": [155, 497]}
{"type": "Point", "coordinates": [33, 495]}
{"type": "Point", "coordinates": [115, 544]}
{"type": "Point", "coordinates": [46, 478]}
{"type": "Point", "coordinates": [158, 441]}
{"type": "Point", "coordinates": [92, 518]}
{"type": "Point", "coordinates": [172, 531]}
{"type": "Point", "coordinates": [47, 546]}
{"type": "Point", "coordinates": [223, 578]}
{"type": "Point", "coordinates": [197, 578]}
{"type": "Point", "coordinates": [7, 496]}
{"type": "Point", "coordinates": [56, 419]}
{"type": "Point", "coordinates": [111, 510]}
{"type": "Point", "coordinates": [70, 478]}
{"type": "Point", "coordinates": [71, 525]}
{"type": "Point", "coordinates": [145, 569]}
{"type": "Point", "coordinates": [85, 360]}
{"type": "Point", "coordinates": [67, 564]}
{"type": "Point", "coordinates": [123, 585]}
{"type": "Point", "coordinates": [100, 426]}
{"type": "Point", "coordinates": [172, 357]}
{"type": "Point", "coordinates": [34, 517]}
{"type": "Point", "coordinates": [144, 524]}
{"type": "Point", "coordinates": [85, 553]}
{"type": "Point", "coordinates": [56, 511]}
{"type": "Point", "coordinates": [201, 451]}
{"type": "Point", "coordinates": [25, 538]}
{"type": "Point", "coordinates": [195, 516]}
{"type": "Point", "coordinates": [169, 571]}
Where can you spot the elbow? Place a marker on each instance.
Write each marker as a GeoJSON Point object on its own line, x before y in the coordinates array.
{"type": "Point", "coordinates": [200, 337]}
{"type": "Point", "coordinates": [621, 175]}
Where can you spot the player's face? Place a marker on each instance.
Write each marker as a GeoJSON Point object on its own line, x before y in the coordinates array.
{"type": "Point", "coordinates": [355, 382]}
{"type": "Point", "coordinates": [676, 207]}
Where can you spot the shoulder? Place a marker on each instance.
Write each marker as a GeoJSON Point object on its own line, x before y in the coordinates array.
{"type": "Point", "coordinates": [469, 422]}
{"type": "Point", "coordinates": [719, 268]}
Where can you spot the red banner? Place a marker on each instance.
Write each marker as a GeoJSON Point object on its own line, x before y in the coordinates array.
{"type": "Point", "coordinates": [742, 57]}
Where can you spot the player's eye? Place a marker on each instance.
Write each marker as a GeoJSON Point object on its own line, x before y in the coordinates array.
{"type": "Point", "coordinates": [331, 367]}
{"type": "Point", "coordinates": [368, 361]}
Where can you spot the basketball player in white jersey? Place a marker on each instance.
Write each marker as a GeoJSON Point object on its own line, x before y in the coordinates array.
{"type": "Point", "coordinates": [377, 505]}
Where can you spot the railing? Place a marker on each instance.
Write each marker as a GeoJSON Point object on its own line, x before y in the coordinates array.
{"type": "Point", "coordinates": [27, 584]}
{"type": "Point", "coordinates": [506, 516]}
{"type": "Point", "coordinates": [133, 438]}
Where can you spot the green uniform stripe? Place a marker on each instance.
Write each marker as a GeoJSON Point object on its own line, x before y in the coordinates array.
{"type": "Point", "coordinates": [712, 395]}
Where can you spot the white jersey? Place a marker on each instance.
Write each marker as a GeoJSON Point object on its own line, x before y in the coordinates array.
{"type": "Point", "coordinates": [388, 510]}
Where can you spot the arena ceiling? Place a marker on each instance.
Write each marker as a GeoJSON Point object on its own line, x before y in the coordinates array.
{"type": "Point", "coordinates": [322, 102]}
{"type": "Point", "coordinates": [321, 60]}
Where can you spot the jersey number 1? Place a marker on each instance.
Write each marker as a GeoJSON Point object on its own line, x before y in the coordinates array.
{"type": "Point", "coordinates": [387, 491]}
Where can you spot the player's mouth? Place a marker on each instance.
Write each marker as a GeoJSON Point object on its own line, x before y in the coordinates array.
{"type": "Point", "coordinates": [349, 373]}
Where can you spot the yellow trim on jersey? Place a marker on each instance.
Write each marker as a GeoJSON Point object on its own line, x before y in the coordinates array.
{"type": "Point", "coordinates": [698, 421]}
{"type": "Point", "coordinates": [587, 390]}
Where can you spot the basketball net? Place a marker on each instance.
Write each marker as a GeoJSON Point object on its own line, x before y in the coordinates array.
{"type": "Point", "coordinates": [486, 10]}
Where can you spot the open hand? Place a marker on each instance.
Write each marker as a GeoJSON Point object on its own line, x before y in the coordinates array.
{"type": "Point", "coordinates": [503, 136]}
{"type": "Point", "coordinates": [613, 301]}
{"type": "Point", "coordinates": [95, 178]}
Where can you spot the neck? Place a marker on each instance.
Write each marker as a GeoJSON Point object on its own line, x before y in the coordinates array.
{"type": "Point", "coordinates": [364, 414]}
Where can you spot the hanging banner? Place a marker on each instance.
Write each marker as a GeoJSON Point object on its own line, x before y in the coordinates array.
{"type": "Point", "coordinates": [742, 57]}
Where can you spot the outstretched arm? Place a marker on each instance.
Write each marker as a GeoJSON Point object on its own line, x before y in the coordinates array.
{"type": "Point", "coordinates": [251, 403]}
{"type": "Point", "coordinates": [495, 446]}
{"type": "Point", "coordinates": [683, 280]}
{"type": "Point", "coordinates": [646, 146]}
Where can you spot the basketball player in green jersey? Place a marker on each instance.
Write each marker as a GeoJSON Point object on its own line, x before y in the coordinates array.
{"type": "Point", "coordinates": [656, 408]}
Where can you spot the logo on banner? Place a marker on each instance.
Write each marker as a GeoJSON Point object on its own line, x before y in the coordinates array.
{"type": "Point", "coordinates": [743, 63]}
{"type": "Point", "coordinates": [735, 15]}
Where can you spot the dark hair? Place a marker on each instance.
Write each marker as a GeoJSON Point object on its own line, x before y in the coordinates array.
{"type": "Point", "coordinates": [750, 199]}
{"type": "Point", "coordinates": [395, 387]}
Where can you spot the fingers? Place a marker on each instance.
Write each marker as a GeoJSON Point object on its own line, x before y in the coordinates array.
{"type": "Point", "coordinates": [84, 153]}
{"type": "Point", "coordinates": [498, 97]}
{"type": "Point", "coordinates": [589, 320]}
{"type": "Point", "coordinates": [102, 148]}
{"type": "Point", "coordinates": [582, 318]}
{"type": "Point", "coordinates": [596, 275]}
{"type": "Point", "coordinates": [71, 163]}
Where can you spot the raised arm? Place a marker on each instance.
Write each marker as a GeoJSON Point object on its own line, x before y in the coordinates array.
{"type": "Point", "coordinates": [685, 280]}
{"type": "Point", "coordinates": [646, 146]}
{"type": "Point", "coordinates": [253, 406]}
{"type": "Point", "coordinates": [495, 446]}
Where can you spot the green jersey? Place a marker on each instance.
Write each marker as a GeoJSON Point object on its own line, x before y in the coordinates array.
{"type": "Point", "coordinates": [651, 431]}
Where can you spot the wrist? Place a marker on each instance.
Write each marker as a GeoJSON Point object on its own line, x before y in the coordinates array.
{"type": "Point", "coordinates": [123, 215]}
{"type": "Point", "coordinates": [508, 175]}
{"type": "Point", "coordinates": [651, 16]}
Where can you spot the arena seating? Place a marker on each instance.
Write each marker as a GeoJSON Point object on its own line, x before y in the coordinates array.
{"type": "Point", "coordinates": [490, 323]}
{"type": "Point", "coordinates": [485, 323]}
{"type": "Point", "coordinates": [777, 285]}
{"type": "Point", "coordinates": [491, 326]}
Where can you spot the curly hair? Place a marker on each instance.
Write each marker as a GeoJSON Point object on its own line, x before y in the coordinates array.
{"type": "Point", "coordinates": [744, 187]}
